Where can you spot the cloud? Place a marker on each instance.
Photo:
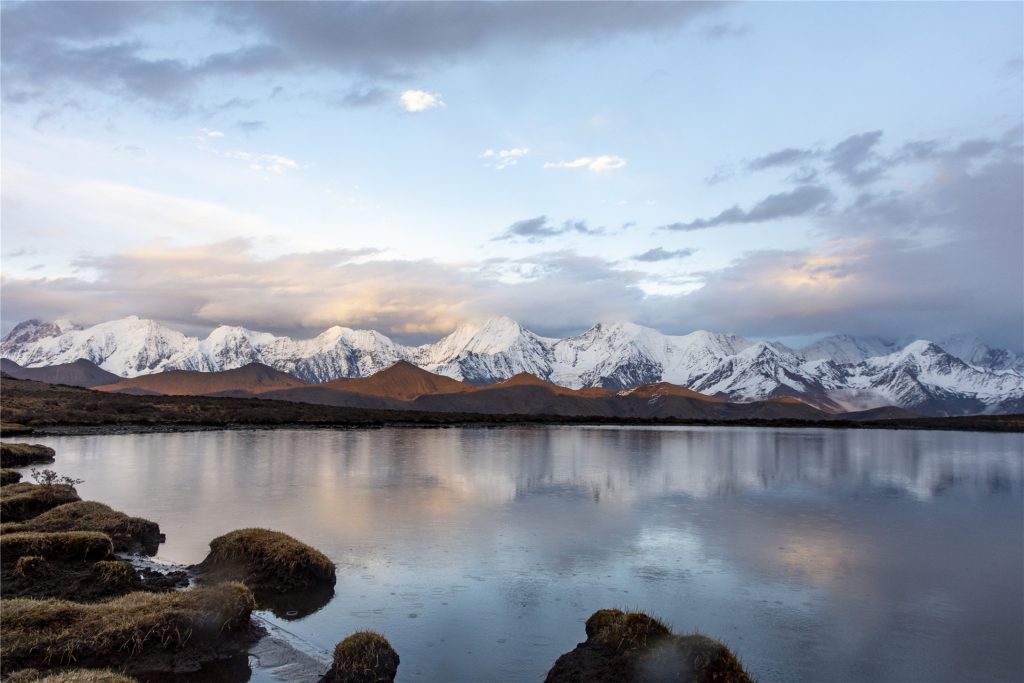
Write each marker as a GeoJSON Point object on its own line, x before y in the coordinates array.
{"type": "Point", "coordinates": [201, 286]}
{"type": "Point", "coordinates": [926, 258]}
{"type": "Point", "coordinates": [275, 163]}
{"type": "Point", "coordinates": [868, 274]}
{"type": "Point", "coordinates": [597, 164]}
{"type": "Point", "coordinates": [420, 100]}
{"type": "Point", "coordinates": [854, 158]}
{"type": "Point", "coordinates": [505, 157]}
{"type": "Point", "coordinates": [783, 157]}
{"type": "Point", "coordinates": [250, 127]}
{"type": "Point", "coordinates": [660, 254]}
{"type": "Point", "coordinates": [799, 202]}
{"type": "Point", "coordinates": [537, 229]}
{"type": "Point", "coordinates": [725, 29]}
{"type": "Point", "coordinates": [207, 133]}
{"type": "Point", "coordinates": [363, 96]}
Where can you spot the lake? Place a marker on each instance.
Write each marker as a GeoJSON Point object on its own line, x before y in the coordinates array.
{"type": "Point", "coordinates": [816, 555]}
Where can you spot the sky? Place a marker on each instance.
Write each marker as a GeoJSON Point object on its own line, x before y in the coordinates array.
{"type": "Point", "coordinates": [776, 170]}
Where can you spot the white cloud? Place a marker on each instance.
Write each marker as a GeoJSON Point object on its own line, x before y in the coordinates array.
{"type": "Point", "coordinates": [274, 163]}
{"type": "Point", "coordinates": [602, 163]}
{"type": "Point", "coordinates": [420, 100]}
{"type": "Point", "coordinates": [206, 132]}
{"type": "Point", "coordinates": [505, 157]}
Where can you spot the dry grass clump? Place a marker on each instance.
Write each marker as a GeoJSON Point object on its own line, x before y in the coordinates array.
{"type": "Point", "coordinates": [129, 534]}
{"type": "Point", "coordinates": [9, 477]}
{"type": "Point", "coordinates": [620, 631]}
{"type": "Point", "coordinates": [23, 454]}
{"type": "Point", "coordinates": [77, 676]}
{"type": "Point", "coordinates": [115, 575]}
{"type": "Point", "coordinates": [363, 657]}
{"type": "Point", "coordinates": [52, 633]}
{"type": "Point", "coordinates": [635, 647]}
{"type": "Point", "coordinates": [32, 567]}
{"type": "Point", "coordinates": [22, 501]}
{"type": "Point", "coordinates": [63, 546]}
{"type": "Point", "coordinates": [266, 561]}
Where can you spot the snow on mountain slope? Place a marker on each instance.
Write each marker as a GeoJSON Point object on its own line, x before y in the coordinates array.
{"type": "Point", "coordinates": [973, 351]}
{"type": "Point", "coordinates": [923, 377]}
{"type": "Point", "coordinates": [127, 347]}
{"type": "Point", "coordinates": [839, 372]}
{"type": "Point", "coordinates": [621, 355]}
{"type": "Point", "coordinates": [481, 354]}
{"type": "Point", "coordinates": [337, 352]}
{"type": "Point", "coordinates": [845, 348]}
{"type": "Point", "coordinates": [32, 331]}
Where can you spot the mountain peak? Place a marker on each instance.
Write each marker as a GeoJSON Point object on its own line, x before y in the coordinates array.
{"type": "Point", "coordinates": [401, 381]}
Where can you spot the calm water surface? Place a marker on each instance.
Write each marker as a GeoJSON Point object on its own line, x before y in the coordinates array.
{"type": "Point", "coordinates": [816, 555]}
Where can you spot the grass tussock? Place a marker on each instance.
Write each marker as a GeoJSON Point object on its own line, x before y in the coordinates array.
{"type": "Point", "coordinates": [22, 501]}
{"type": "Point", "coordinates": [364, 657]}
{"type": "Point", "coordinates": [9, 477]}
{"type": "Point", "coordinates": [635, 647]}
{"type": "Point", "coordinates": [622, 631]}
{"type": "Point", "coordinates": [24, 454]}
{"type": "Point", "coordinates": [266, 560]}
{"type": "Point", "coordinates": [48, 634]}
{"type": "Point", "coordinates": [68, 546]}
{"type": "Point", "coordinates": [76, 676]}
{"type": "Point", "coordinates": [129, 534]}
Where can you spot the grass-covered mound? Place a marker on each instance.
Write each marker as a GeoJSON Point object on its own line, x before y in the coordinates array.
{"type": "Point", "coordinates": [62, 546]}
{"type": "Point", "coordinates": [266, 561]}
{"type": "Point", "coordinates": [129, 534]}
{"type": "Point", "coordinates": [23, 454]}
{"type": "Point", "coordinates": [9, 477]}
{"type": "Point", "coordinates": [363, 657]}
{"type": "Point", "coordinates": [22, 501]}
{"type": "Point", "coordinates": [637, 648]}
{"type": "Point", "coordinates": [76, 676]}
{"type": "Point", "coordinates": [75, 565]}
{"type": "Point", "coordinates": [138, 632]}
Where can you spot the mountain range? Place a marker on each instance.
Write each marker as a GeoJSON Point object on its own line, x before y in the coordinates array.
{"type": "Point", "coordinates": [954, 376]}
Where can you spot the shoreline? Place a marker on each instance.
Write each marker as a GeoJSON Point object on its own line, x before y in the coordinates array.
{"type": "Point", "coordinates": [31, 407]}
{"type": "Point", "coordinates": [1010, 424]}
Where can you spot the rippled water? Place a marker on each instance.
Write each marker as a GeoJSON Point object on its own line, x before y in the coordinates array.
{"type": "Point", "coordinates": [815, 554]}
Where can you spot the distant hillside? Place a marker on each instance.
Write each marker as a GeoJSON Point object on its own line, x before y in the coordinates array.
{"type": "Point", "coordinates": [250, 380]}
{"type": "Point", "coordinates": [66, 408]}
{"type": "Point", "coordinates": [80, 373]}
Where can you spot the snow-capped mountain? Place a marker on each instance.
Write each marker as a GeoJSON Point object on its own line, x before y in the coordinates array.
{"type": "Point", "coordinates": [973, 351]}
{"type": "Point", "coordinates": [127, 347]}
{"type": "Point", "coordinates": [483, 354]}
{"type": "Point", "coordinates": [835, 373]}
{"type": "Point", "coordinates": [844, 348]}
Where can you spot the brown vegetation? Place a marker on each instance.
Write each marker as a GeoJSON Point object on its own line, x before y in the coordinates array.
{"type": "Point", "coordinates": [637, 648]}
{"type": "Point", "coordinates": [77, 676]}
{"type": "Point", "coordinates": [24, 454]}
{"type": "Point", "coordinates": [363, 657]}
{"type": "Point", "coordinates": [9, 477]}
{"type": "Point", "coordinates": [136, 632]}
{"type": "Point", "coordinates": [63, 546]}
{"type": "Point", "coordinates": [22, 501]}
{"type": "Point", "coordinates": [129, 534]}
{"type": "Point", "coordinates": [266, 561]}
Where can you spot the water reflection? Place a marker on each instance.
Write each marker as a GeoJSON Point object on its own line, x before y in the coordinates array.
{"type": "Point", "coordinates": [818, 555]}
